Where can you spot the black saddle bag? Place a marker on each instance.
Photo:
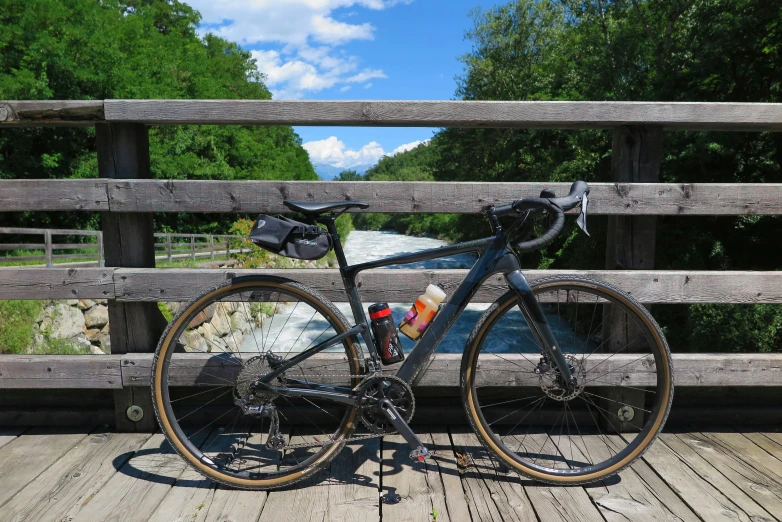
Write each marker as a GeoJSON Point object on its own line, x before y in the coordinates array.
{"type": "Point", "coordinates": [290, 238]}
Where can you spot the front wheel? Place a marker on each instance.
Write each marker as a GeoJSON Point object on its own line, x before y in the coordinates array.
{"type": "Point", "coordinates": [519, 408]}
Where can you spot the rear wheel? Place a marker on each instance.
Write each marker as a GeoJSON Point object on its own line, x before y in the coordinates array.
{"type": "Point", "coordinates": [219, 344]}
{"type": "Point", "coordinates": [536, 425]}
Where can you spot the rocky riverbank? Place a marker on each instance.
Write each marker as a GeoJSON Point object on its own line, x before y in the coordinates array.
{"type": "Point", "coordinates": [81, 323]}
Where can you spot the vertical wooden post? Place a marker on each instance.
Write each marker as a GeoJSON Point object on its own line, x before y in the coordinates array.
{"type": "Point", "coordinates": [227, 248]}
{"type": "Point", "coordinates": [212, 245]}
{"type": "Point", "coordinates": [47, 239]}
{"type": "Point", "coordinates": [635, 158]}
{"type": "Point", "coordinates": [101, 259]}
{"type": "Point", "coordinates": [168, 246]}
{"type": "Point", "coordinates": [192, 247]}
{"type": "Point", "coordinates": [123, 153]}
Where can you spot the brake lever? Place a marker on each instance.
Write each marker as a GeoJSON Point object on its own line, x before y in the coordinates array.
{"type": "Point", "coordinates": [582, 217]}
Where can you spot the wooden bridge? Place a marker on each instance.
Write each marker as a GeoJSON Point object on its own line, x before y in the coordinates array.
{"type": "Point", "coordinates": [691, 476]}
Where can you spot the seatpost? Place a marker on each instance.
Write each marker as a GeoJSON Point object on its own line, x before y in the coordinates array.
{"type": "Point", "coordinates": [329, 221]}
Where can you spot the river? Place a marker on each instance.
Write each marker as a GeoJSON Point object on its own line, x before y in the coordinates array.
{"type": "Point", "coordinates": [363, 246]}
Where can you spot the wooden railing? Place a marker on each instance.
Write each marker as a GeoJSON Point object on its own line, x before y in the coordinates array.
{"type": "Point", "coordinates": [209, 245]}
{"type": "Point", "coordinates": [126, 197]}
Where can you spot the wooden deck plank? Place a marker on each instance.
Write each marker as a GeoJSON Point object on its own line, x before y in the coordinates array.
{"type": "Point", "coordinates": [455, 499]}
{"type": "Point", "coordinates": [493, 496]}
{"type": "Point", "coordinates": [754, 482]}
{"type": "Point", "coordinates": [627, 497]}
{"type": "Point", "coordinates": [750, 453]}
{"type": "Point", "coordinates": [356, 471]}
{"type": "Point", "coordinates": [9, 434]}
{"type": "Point", "coordinates": [418, 484]}
{"type": "Point", "coordinates": [769, 441]}
{"type": "Point", "coordinates": [667, 496]}
{"type": "Point", "coordinates": [138, 487]}
{"type": "Point", "coordinates": [693, 478]}
{"type": "Point", "coordinates": [198, 499]}
{"type": "Point", "coordinates": [60, 491]}
{"type": "Point", "coordinates": [32, 453]}
{"type": "Point", "coordinates": [556, 502]}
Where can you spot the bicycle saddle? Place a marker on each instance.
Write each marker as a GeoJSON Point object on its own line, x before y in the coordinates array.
{"type": "Point", "coordinates": [314, 207]}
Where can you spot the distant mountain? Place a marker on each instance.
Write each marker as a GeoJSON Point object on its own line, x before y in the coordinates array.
{"type": "Point", "coordinates": [329, 172]}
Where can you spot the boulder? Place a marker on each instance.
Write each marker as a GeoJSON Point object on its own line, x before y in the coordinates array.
{"type": "Point", "coordinates": [203, 316]}
{"type": "Point", "coordinates": [222, 323]}
{"type": "Point", "coordinates": [92, 334]}
{"type": "Point", "coordinates": [85, 304]}
{"type": "Point", "coordinates": [105, 343]}
{"type": "Point", "coordinates": [105, 329]}
{"type": "Point", "coordinates": [94, 350]}
{"type": "Point", "coordinates": [218, 345]}
{"type": "Point", "coordinates": [240, 323]}
{"type": "Point", "coordinates": [97, 316]}
{"type": "Point", "coordinates": [194, 342]}
{"type": "Point", "coordinates": [234, 341]}
{"type": "Point", "coordinates": [72, 302]}
{"type": "Point", "coordinates": [62, 321]}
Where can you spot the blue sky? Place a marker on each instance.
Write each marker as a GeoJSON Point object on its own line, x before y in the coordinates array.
{"type": "Point", "coordinates": [350, 50]}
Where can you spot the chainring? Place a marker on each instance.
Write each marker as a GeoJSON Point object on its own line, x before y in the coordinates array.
{"type": "Point", "coordinates": [378, 387]}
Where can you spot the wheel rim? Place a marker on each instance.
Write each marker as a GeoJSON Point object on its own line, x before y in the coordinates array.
{"type": "Point", "coordinates": [576, 441]}
{"type": "Point", "coordinates": [235, 449]}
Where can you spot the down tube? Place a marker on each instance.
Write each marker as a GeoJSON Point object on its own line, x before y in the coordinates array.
{"type": "Point", "coordinates": [486, 266]}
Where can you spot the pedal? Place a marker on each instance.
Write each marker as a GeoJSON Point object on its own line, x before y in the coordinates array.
{"type": "Point", "coordinates": [421, 454]}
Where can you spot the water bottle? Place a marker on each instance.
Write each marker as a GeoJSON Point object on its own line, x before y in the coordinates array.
{"type": "Point", "coordinates": [384, 331]}
{"type": "Point", "coordinates": [421, 314]}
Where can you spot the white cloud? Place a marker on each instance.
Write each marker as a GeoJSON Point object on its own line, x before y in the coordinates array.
{"type": "Point", "coordinates": [308, 34]}
{"type": "Point", "coordinates": [345, 88]}
{"type": "Point", "coordinates": [334, 152]}
{"type": "Point", "coordinates": [408, 146]}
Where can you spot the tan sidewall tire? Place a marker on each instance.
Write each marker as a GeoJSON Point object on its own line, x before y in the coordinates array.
{"type": "Point", "coordinates": [470, 401]}
{"type": "Point", "coordinates": [166, 341]}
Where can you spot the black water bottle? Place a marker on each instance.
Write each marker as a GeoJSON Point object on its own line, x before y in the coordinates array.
{"type": "Point", "coordinates": [384, 331]}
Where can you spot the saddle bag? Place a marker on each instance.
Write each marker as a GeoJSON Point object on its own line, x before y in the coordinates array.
{"type": "Point", "coordinates": [290, 238]}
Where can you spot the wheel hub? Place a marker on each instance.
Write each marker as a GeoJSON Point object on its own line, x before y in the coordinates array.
{"type": "Point", "coordinates": [253, 398]}
{"type": "Point", "coordinates": [552, 386]}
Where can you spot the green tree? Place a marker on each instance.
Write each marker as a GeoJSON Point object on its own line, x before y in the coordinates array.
{"type": "Point", "coordinates": [83, 49]}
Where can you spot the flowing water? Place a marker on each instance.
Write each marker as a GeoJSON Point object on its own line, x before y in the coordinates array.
{"type": "Point", "coordinates": [363, 246]}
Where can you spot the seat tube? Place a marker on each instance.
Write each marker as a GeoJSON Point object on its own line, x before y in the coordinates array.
{"type": "Point", "coordinates": [537, 322]}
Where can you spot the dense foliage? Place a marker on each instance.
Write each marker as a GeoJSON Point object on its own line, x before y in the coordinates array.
{"type": "Point", "coordinates": [679, 50]}
{"type": "Point", "coordinates": [85, 49]}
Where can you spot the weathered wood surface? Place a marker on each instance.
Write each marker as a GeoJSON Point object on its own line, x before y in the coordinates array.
{"type": "Point", "coordinates": [57, 475]}
{"type": "Point", "coordinates": [663, 286]}
{"type": "Point", "coordinates": [174, 284]}
{"type": "Point", "coordinates": [53, 194]}
{"type": "Point", "coordinates": [60, 371]}
{"type": "Point", "coordinates": [71, 481]}
{"type": "Point", "coordinates": [391, 197]}
{"type": "Point", "coordinates": [56, 283]}
{"type": "Point", "coordinates": [583, 115]}
{"type": "Point", "coordinates": [133, 370]}
{"type": "Point", "coordinates": [50, 112]}
{"type": "Point", "coordinates": [25, 457]}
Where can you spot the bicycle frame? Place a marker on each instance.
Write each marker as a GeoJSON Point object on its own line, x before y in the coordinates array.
{"type": "Point", "coordinates": [494, 256]}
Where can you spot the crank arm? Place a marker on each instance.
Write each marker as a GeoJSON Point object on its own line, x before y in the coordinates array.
{"type": "Point", "coordinates": [419, 452]}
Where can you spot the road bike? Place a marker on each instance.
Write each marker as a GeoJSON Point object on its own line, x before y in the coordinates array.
{"type": "Point", "coordinates": [259, 382]}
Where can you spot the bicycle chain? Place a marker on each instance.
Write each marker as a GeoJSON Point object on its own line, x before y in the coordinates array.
{"type": "Point", "coordinates": [349, 439]}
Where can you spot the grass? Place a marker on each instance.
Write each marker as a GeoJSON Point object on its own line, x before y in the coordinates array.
{"type": "Point", "coordinates": [18, 325]}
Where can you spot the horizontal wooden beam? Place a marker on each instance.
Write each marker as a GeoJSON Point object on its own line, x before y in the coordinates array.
{"type": "Point", "coordinates": [180, 284]}
{"type": "Point", "coordinates": [647, 286]}
{"type": "Point", "coordinates": [392, 197]}
{"type": "Point", "coordinates": [525, 114]}
{"type": "Point", "coordinates": [56, 283]}
{"type": "Point", "coordinates": [60, 371]}
{"type": "Point", "coordinates": [115, 371]}
{"type": "Point", "coordinates": [54, 112]}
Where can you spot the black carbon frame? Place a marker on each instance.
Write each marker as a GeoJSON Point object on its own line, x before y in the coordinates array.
{"type": "Point", "coordinates": [494, 256]}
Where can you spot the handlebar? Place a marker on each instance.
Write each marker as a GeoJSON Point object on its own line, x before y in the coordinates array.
{"type": "Point", "coordinates": [556, 207]}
